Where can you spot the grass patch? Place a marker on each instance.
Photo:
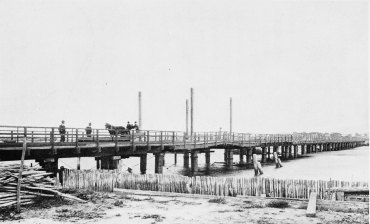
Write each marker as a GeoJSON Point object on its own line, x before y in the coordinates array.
{"type": "Point", "coordinates": [157, 218]}
{"type": "Point", "coordinates": [68, 214]}
{"type": "Point", "coordinates": [278, 204]}
{"type": "Point", "coordinates": [217, 200]}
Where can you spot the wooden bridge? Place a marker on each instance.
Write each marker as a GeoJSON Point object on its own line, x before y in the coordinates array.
{"type": "Point", "coordinates": [43, 145]}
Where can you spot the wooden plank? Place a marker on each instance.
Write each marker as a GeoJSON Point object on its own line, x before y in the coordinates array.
{"type": "Point", "coordinates": [311, 207]}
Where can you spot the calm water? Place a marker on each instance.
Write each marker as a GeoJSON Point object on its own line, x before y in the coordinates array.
{"type": "Point", "coordinates": [351, 164]}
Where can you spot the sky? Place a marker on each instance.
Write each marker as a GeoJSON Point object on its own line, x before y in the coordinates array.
{"type": "Point", "coordinates": [289, 66]}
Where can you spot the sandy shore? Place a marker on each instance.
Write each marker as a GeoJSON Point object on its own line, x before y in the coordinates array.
{"type": "Point", "coordinates": [156, 207]}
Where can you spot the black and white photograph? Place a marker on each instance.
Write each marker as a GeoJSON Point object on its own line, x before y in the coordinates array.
{"type": "Point", "coordinates": [184, 111]}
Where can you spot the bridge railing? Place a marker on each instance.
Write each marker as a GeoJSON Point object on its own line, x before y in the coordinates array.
{"type": "Point", "coordinates": [50, 135]}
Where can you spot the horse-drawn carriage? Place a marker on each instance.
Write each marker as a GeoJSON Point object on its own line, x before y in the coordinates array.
{"type": "Point", "coordinates": [120, 130]}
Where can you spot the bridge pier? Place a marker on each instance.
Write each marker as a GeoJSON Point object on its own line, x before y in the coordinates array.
{"type": "Point", "coordinates": [208, 158]}
{"type": "Point", "coordinates": [302, 150]}
{"type": "Point", "coordinates": [186, 159]}
{"type": "Point", "coordinates": [263, 154]}
{"type": "Point", "coordinates": [110, 162]}
{"type": "Point", "coordinates": [286, 151]}
{"type": "Point", "coordinates": [274, 149]}
{"type": "Point", "coordinates": [225, 155]}
{"type": "Point", "coordinates": [291, 151]}
{"type": "Point", "coordinates": [98, 163]}
{"type": "Point", "coordinates": [143, 161]}
{"type": "Point", "coordinates": [194, 161]}
{"type": "Point", "coordinates": [249, 149]}
{"type": "Point", "coordinates": [241, 155]}
{"type": "Point", "coordinates": [159, 157]}
{"type": "Point", "coordinates": [269, 152]}
{"type": "Point", "coordinates": [230, 158]}
{"type": "Point", "coordinates": [295, 153]}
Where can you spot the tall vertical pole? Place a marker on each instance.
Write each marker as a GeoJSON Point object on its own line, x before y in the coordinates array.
{"type": "Point", "coordinates": [140, 124]}
{"type": "Point", "coordinates": [231, 115]}
{"type": "Point", "coordinates": [187, 117]}
{"type": "Point", "coordinates": [191, 111]}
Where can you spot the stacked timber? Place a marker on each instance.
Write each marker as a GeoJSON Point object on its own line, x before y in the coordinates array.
{"type": "Point", "coordinates": [34, 183]}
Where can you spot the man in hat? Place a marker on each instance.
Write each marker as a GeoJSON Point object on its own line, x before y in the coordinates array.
{"type": "Point", "coordinates": [136, 126]}
{"type": "Point", "coordinates": [62, 132]}
{"type": "Point", "coordinates": [128, 126]}
{"type": "Point", "coordinates": [88, 130]}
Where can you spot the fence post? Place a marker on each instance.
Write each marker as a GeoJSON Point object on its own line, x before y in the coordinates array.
{"type": "Point", "coordinates": [11, 135]}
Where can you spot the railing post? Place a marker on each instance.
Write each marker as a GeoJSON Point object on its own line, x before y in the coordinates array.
{"type": "Point", "coordinates": [45, 136]}
{"type": "Point", "coordinates": [195, 140]}
{"type": "Point", "coordinates": [173, 138]}
{"type": "Point", "coordinates": [116, 141]}
{"type": "Point", "coordinates": [97, 141]}
{"type": "Point", "coordinates": [67, 136]}
{"type": "Point", "coordinates": [161, 139]}
{"type": "Point", "coordinates": [17, 135]}
{"type": "Point", "coordinates": [76, 137]}
{"type": "Point", "coordinates": [52, 141]}
{"type": "Point", "coordinates": [148, 141]}
{"type": "Point", "coordinates": [11, 135]}
{"type": "Point", "coordinates": [133, 141]}
{"type": "Point", "coordinates": [32, 136]}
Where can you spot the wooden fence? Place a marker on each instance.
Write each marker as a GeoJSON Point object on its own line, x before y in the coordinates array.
{"type": "Point", "coordinates": [106, 180]}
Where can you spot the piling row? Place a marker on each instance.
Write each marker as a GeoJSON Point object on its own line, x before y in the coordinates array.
{"type": "Point", "coordinates": [106, 180]}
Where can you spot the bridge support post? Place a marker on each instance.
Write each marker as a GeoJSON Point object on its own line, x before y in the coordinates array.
{"type": "Point", "coordinates": [269, 152]}
{"type": "Point", "coordinates": [263, 154]}
{"type": "Point", "coordinates": [286, 151]}
{"type": "Point", "coordinates": [186, 159]}
{"type": "Point", "coordinates": [302, 149]}
{"type": "Point", "coordinates": [98, 163]}
{"type": "Point", "coordinates": [225, 155]}
{"type": "Point", "coordinates": [194, 161]}
{"type": "Point", "coordinates": [249, 155]}
{"type": "Point", "coordinates": [143, 163]}
{"type": "Point", "coordinates": [158, 162]}
{"type": "Point", "coordinates": [175, 155]}
{"type": "Point", "coordinates": [208, 158]}
{"type": "Point", "coordinates": [291, 151]}
{"type": "Point", "coordinates": [295, 153]}
{"type": "Point", "coordinates": [230, 158]}
{"type": "Point", "coordinates": [241, 155]}
{"type": "Point", "coordinates": [110, 162]}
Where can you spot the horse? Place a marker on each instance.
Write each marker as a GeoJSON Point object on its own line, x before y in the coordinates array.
{"type": "Point", "coordinates": [119, 129]}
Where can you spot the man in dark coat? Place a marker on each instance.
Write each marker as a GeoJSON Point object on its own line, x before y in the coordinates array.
{"type": "Point", "coordinates": [62, 132]}
{"type": "Point", "coordinates": [88, 130]}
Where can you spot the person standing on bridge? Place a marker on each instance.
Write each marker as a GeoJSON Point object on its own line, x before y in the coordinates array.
{"type": "Point", "coordinates": [62, 132]}
{"type": "Point", "coordinates": [128, 126]}
{"type": "Point", "coordinates": [88, 130]}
